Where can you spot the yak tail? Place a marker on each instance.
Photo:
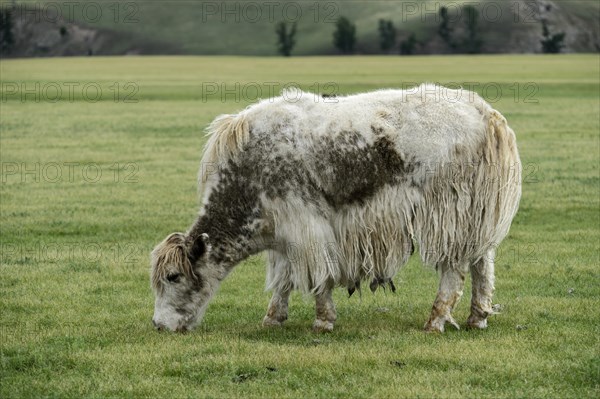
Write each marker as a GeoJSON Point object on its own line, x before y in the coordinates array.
{"type": "Point", "coordinates": [227, 135]}
{"type": "Point", "coordinates": [502, 156]}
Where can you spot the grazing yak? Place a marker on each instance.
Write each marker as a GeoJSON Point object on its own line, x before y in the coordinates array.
{"type": "Point", "coordinates": [340, 190]}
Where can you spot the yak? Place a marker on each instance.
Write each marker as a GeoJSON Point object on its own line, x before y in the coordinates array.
{"type": "Point", "coordinates": [342, 190]}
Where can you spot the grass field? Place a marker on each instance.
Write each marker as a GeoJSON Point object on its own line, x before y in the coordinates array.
{"type": "Point", "coordinates": [90, 183]}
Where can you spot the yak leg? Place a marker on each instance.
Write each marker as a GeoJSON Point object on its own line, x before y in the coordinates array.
{"type": "Point", "coordinates": [325, 310]}
{"type": "Point", "coordinates": [482, 277]}
{"type": "Point", "coordinates": [277, 312]}
{"type": "Point", "coordinates": [449, 292]}
{"type": "Point", "coordinates": [277, 272]}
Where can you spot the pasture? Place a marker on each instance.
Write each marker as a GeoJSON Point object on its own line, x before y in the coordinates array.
{"type": "Point", "coordinates": [99, 163]}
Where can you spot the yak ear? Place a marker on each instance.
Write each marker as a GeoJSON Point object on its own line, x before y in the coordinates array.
{"type": "Point", "coordinates": [198, 248]}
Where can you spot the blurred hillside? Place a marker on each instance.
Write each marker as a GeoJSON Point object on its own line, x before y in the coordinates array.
{"type": "Point", "coordinates": [83, 27]}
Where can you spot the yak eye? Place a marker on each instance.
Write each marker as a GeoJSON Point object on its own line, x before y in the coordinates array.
{"type": "Point", "coordinates": [173, 277]}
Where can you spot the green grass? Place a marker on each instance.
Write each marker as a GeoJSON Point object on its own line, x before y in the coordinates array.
{"type": "Point", "coordinates": [75, 303]}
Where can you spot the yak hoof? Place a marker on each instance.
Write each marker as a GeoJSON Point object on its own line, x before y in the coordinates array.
{"type": "Point", "coordinates": [477, 323]}
{"type": "Point", "coordinates": [322, 326]}
{"type": "Point", "coordinates": [269, 322]}
{"type": "Point", "coordinates": [437, 324]}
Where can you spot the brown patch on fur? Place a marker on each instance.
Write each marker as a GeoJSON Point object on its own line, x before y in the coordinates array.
{"type": "Point", "coordinates": [357, 174]}
{"type": "Point", "coordinates": [383, 114]}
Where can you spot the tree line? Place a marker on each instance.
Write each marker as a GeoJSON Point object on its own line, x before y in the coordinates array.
{"type": "Point", "coordinates": [469, 40]}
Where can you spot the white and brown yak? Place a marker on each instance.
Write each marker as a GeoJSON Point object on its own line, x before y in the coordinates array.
{"type": "Point", "coordinates": [340, 191]}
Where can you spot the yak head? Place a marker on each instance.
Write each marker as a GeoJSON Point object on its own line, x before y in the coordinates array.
{"type": "Point", "coordinates": [182, 281]}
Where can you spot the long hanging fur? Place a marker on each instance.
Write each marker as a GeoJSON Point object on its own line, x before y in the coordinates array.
{"type": "Point", "coordinates": [469, 212]}
{"type": "Point", "coordinates": [465, 209]}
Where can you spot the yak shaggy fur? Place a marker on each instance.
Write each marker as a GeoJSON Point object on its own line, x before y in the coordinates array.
{"type": "Point", "coordinates": [341, 190]}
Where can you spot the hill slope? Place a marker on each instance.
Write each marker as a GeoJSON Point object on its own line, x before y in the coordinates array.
{"type": "Point", "coordinates": [247, 27]}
